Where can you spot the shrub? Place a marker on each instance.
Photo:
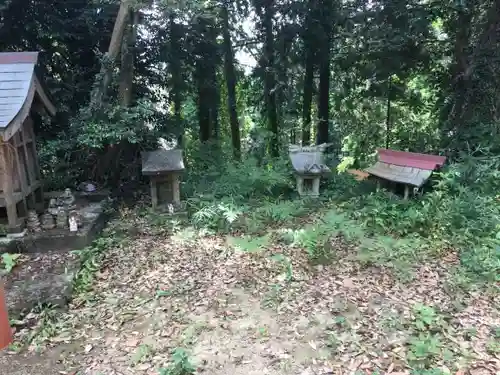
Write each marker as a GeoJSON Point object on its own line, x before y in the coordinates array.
{"type": "Point", "coordinates": [244, 180]}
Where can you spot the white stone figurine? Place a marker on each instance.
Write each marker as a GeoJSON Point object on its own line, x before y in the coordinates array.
{"type": "Point", "coordinates": [73, 222]}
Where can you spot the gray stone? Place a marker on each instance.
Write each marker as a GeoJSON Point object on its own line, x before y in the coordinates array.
{"type": "Point", "coordinates": [162, 161]}
{"type": "Point", "coordinates": [48, 221]}
{"type": "Point", "coordinates": [47, 273]}
{"type": "Point", "coordinates": [309, 165]}
{"type": "Point", "coordinates": [308, 160]}
{"type": "Point", "coordinates": [93, 220]}
{"type": "Point", "coordinates": [163, 167]}
{"type": "Point", "coordinates": [45, 277]}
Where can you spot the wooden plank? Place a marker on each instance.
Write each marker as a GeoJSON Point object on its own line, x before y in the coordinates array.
{"type": "Point", "coordinates": [176, 193]}
{"type": "Point", "coordinates": [44, 98]}
{"type": "Point", "coordinates": [154, 194]}
{"type": "Point", "coordinates": [29, 161]}
{"type": "Point", "coordinates": [31, 136]}
{"type": "Point", "coordinates": [23, 178]}
{"type": "Point", "coordinates": [8, 190]}
{"type": "Point", "coordinates": [18, 178]}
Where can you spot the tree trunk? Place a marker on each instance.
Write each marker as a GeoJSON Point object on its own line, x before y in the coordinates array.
{"type": "Point", "coordinates": [307, 99]}
{"type": "Point", "coordinates": [175, 71]}
{"type": "Point", "coordinates": [464, 19]}
{"type": "Point", "coordinates": [324, 82]}
{"type": "Point", "coordinates": [388, 114]}
{"type": "Point", "coordinates": [213, 86]}
{"type": "Point", "coordinates": [270, 81]}
{"type": "Point", "coordinates": [231, 86]}
{"type": "Point", "coordinates": [203, 105]}
{"type": "Point", "coordinates": [309, 76]}
{"type": "Point", "coordinates": [476, 89]}
{"type": "Point", "coordinates": [127, 60]}
{"type": "Point", "coordinates": [206, 77]}
{"type": "Point", "coordinates": [113, 50]}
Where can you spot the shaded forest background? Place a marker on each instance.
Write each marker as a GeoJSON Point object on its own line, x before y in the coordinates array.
{"type": "Point", "coordinates": [409, 75]}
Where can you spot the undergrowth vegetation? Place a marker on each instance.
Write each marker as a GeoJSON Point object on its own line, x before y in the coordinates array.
{"type": "Point", "coordinates": [458, 212]}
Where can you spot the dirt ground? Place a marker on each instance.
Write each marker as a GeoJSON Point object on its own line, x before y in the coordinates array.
{"type": "Point", "coordinates": [240, 313]}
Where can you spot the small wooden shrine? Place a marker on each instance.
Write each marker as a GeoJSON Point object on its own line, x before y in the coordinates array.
{"type": "Point", "coordinates": [164, 168]}
{"type": "Point", "coordinates": [409, 169]}
{"type": "Point", "coordinates": [21, 95]}
{"type": "Point", "coordinates": [309, 165]}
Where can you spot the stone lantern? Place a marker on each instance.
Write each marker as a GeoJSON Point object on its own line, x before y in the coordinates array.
{"type": "Point", "coordinates": [309, 165]}
{"type": "Point", "coordinates": [164, 168]}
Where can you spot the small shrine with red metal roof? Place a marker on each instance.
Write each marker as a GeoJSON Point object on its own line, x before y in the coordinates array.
{"type": "Point", "coordinates": [21, 95]}
{"type": "Point", "coordinates": [407, 168]}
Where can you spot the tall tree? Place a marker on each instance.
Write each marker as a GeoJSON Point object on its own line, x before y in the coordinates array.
{"type": "Point", "coordinates": [127, 59]}
{"type": "Point", "coordinates": [322, 135]}
{"type": "Point", "coordinates": [230, 76]}
{"type": "Point", "coordinates": [206, 77]}
{"type": "Point", "coordinates": [307, 96]}
{"type": "Point", "coordinates": [175, 72]}
{"type": "Point", "coordinates": [115, 45]}
{"type": "Point", "coordinates": [266, 11]}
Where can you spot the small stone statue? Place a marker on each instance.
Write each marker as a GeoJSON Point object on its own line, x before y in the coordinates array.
{"type": "Point", "coordinates": [33, 222]}
{"type": "Point", "coordinates": [62, 219]}
{"type": "Point", "coordinates": [53, 208]}
{"type": "Point", "coordinates": [48, 221]}
{"type": "Point", "coordinates": [67, 199]}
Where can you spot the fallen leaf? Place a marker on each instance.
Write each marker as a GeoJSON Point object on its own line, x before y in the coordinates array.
{"type": "Point", "coordinates": [391, 367]}
{"type": "Point", "coordinates": [348, 283]}
{"type": "Point", "coordinates": [132, 343]}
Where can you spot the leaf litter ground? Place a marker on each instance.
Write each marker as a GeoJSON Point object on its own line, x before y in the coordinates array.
{"type": "Point", "coordinates": [245, 313]}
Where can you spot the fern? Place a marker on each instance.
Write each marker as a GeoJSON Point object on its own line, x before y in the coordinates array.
{"type": "Point", "coordinates": [9, 261]}
{"type": "Point", "coordinates": [281, 211]}
{"type": "Point", "coordinates": [250, 245]}
{"type": "Point", "coordinates": [180, 364]}
{"type": "Point", "coordinates": [216, 216]}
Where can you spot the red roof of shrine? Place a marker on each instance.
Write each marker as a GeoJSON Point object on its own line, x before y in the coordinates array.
{"type": "Point", "coordinates": [405, 167]}
{"type": "Point", "coordinates": [411, 159]}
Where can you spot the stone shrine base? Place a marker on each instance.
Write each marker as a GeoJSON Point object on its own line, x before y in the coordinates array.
{"type": "Point", "coordinates": [46, 268]}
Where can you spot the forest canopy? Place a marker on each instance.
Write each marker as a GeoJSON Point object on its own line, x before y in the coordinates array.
{"type": "Point", "coordinates": [255, 75]}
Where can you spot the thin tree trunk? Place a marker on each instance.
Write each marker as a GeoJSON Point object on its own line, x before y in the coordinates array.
{"type": "Point", "coordinates": [460, 67]}
{"type": "Point", "coordinates": [324, 91]}
{"type": "Point", "coordinates": [270, 81]}
{"type": "Point", "coordinates": [113, 50]}
{"type": "Point", "coordinates": [213, 85]}
{"type": "Point", "coordinates": [231, 86]}
{"type": "Point", "coordinates": [203, 105]}
{"type": "Point", "coordinates": [175, 68]}
{"type": "Point", "coordinates": [309, 76]}
{"type": "Point", "coordinates": [307, 101]}
{"type": "Point", "coordinates": [127, 62]}
{"type": "Point", "coordinates": [205, 71]}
